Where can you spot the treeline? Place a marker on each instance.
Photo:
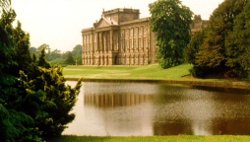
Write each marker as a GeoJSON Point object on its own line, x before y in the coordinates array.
{"type": "Point", "coordinates": [223, 48]}
{"type": "Point", "coordinates": [56, 57]}
{"type": "Point", "coordinates": [35, 102]}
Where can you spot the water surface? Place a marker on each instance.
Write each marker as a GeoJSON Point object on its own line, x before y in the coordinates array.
{"type": "Point", "coordinates": [148, 109]}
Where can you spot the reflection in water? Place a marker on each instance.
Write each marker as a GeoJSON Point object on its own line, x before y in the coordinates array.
{"type": "Point", "coordinates": [114, 100]}
{"type": "Point", "coordinates": [232, 127]}
{"type": "Point", "coordinates": [146, 109]}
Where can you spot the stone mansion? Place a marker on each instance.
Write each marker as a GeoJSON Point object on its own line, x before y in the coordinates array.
{"type": "Point", "coordinates": [120, 37]}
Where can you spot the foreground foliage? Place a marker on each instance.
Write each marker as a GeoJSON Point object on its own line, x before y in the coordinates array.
{"type": "Point", "coordinates": [171, 21]}
{"type": "Point", "coordinates": [35, 103]}
{"type": "Point", "coordinates": [47, 99]}
{"type": "Point", "coordinates": [155, 139]}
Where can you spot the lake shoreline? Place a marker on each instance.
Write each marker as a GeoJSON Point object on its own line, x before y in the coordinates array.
{"type": "Point", "coordinates": [180, 138]}
{"type": "Point", "coordinates": [227, 84]}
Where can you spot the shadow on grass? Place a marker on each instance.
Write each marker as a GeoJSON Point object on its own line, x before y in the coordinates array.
{"type": "Point", "coordinates": [81, 139]}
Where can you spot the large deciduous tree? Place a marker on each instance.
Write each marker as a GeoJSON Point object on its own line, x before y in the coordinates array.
{"type": "Point", "coordinates": [212, 59]}
{"type": "Point", "coordinates": [238, 44]}
{"type": "Point", "coordinates": [171, 21]}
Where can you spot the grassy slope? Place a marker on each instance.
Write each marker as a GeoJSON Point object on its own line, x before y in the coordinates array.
{"type": "Point", "coordinates": [153, 72]}
{"type": "Point", "coordinates": [156, 139]}
{"type": "Point", "coordinates": [149, 72]}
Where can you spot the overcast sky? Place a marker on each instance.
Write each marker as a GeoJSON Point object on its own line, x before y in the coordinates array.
{"type": "Point", "coordinates": [59, 22]}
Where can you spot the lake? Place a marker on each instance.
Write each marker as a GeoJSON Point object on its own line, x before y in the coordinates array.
{"type": "Point", "coordinates": [153, 109]}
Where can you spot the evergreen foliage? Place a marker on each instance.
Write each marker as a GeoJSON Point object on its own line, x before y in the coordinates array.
{"type": "Point", "coordinates": [14, 124]}
{"type": "Point", "coordinates": [35, 103]}
{"type": "Point", "coordinates": [52, 99]}
{"type": "Point", "coordinates": [21, 41]}
{"type": "Point", "coordinates": [171, 21]}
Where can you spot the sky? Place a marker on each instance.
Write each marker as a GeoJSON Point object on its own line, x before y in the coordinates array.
{"type": "Point", "coordinates": [58, 23]}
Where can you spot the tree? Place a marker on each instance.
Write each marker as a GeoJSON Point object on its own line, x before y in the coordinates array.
{"type": "Point", "coordinates": [22, 44]}
{"type": "Point", "coordinates": [32, 51]}
{"type": "Point", "coordinates": [14, 124]}
{"type": "Point", "coordinates": [55, 54]}
{"type": "Point", "coordinates": [69, 58]}
{"type": "Point", "coordinates": [35, 103]}
{"type": "Point", "coordinates": [77, 54]}
{"type": "Point", "coordinates": [238, 44]}
{"type": "Point", "coordinates": [171, 21]}
{"type": "Point", "coordinates": [42, 61]}
{"type": "Point", "coordinates": [194, 46]}
{"type": "Point", "coordinates": [212, 58]}
{"type": "Point", "coordinates": [51, 99]}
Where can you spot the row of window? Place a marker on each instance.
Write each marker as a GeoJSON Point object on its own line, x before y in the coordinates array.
{"type": "Point", "coordinates": [132, 37]}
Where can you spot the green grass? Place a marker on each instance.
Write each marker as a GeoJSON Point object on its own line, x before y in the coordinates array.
{"type": "Point", "coordinates": [150, 72]}
{"type": "Point", "coordinates": [155, 139]}
{"type": "Point", "coordinates": [178, 75]}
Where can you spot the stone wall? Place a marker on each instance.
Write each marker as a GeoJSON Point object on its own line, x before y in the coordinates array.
{"type": "Point", "coordinates": [127, 43]}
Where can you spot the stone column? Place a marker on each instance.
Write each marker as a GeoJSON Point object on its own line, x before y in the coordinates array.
{"type": "Point", "coordinates": [98, 42]}
{"type": "Point", "coordinates": [95, 42]}
{"type": "Point", "coordinates": [104, 42]}
{"type": "Point", "coordinates": [111, 41]}
{"type": "Point", "coordinates": [101, 42]}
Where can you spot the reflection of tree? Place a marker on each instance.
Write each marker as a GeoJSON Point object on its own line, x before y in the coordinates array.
{"type": "Point", "coordinates": [115, 100]}
{"type": "Point", "coordinates": [174, 127]}
{"type": "Point", "coordinates": [231, 127]}
{"type": "Point", "coordinates": [223, 90]}
{"type": "Point", "coordinates": [201, 111]}
{"type": "Point", "coordinates": [170, 94]}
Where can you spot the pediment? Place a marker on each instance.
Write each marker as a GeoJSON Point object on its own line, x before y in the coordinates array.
{"type": "Point", "coordinates": [102, 23]}
{"type": "Point", "coordinates": [105, 22]}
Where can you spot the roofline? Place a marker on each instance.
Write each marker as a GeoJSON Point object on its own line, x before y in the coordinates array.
{"type": "Point", "coordinates": [87, 29]}
{"type": "Point", "coordinates": [135, 21]}
{"type": "Point", "coordinates": [123, 10]}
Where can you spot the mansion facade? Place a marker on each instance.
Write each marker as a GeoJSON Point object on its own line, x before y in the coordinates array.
{"type": "Point", "coordinates": [120, 37]}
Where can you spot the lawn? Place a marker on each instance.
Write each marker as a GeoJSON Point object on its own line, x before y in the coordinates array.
{"type": "Point", "coordinates": [178, 75]}
{"type": "Point", "coordinates": [155, 139]}
{"type": "Point", "coordinates": [149, 72]}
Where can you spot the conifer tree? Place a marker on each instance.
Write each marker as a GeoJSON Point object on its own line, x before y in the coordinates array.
{"type": "Point", "coordinates": [35, 102]}
{"type": "Point", "coordinates": [52, 99]}
{"type": "Point", "coordinates": [15, 125]}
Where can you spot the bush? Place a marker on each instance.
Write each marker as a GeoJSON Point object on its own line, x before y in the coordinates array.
{"type": "Point", "coordinates": [48, 96]}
